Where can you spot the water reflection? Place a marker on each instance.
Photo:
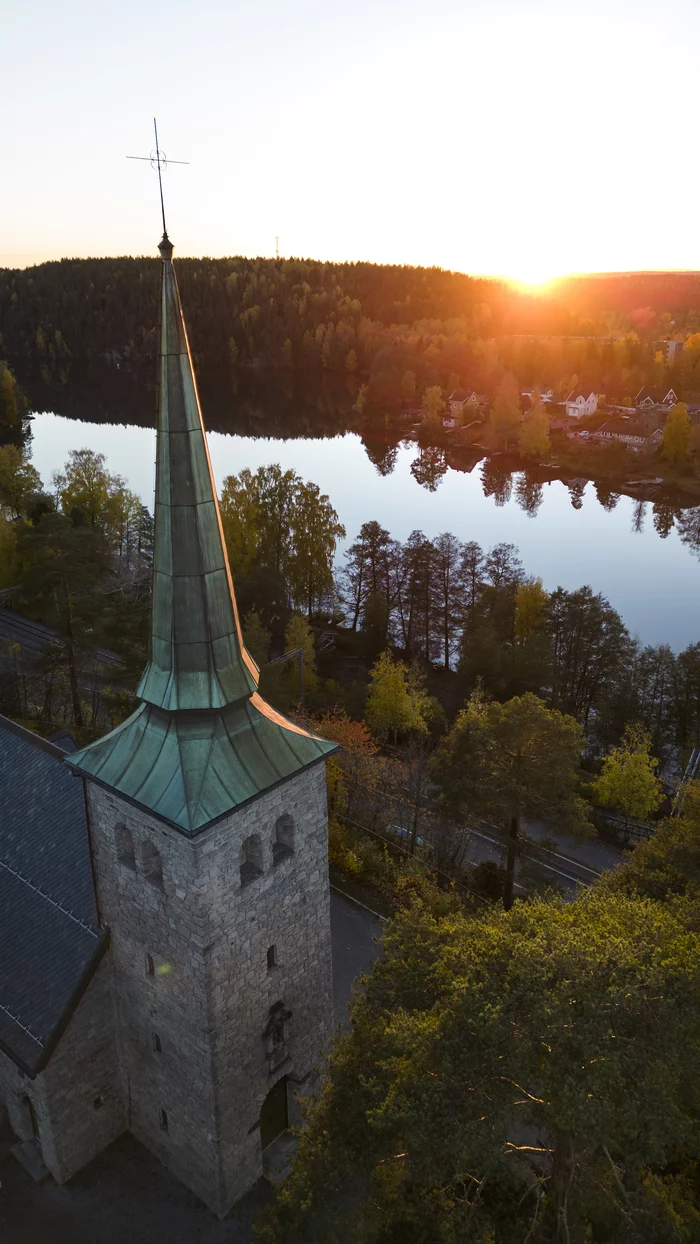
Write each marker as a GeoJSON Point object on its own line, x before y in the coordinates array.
{"type": "Point", "coordinates": [689, 528]}
{"type": "Point", "coordinates": [496, 481]}
{"type": "Point", "coordinates": [529, 493]}
{"type": "Point", "coordinates": [577, 490]}
{"type": "Point", "coordinates": [382, 455]}
{"type": "Point", "coordinates": [607, 498]}
{"type": "Point", "coordinates": [663, 518]}
{"type": "Point", "coordinates": [638, 515]}
{"type": "Point", "coordinates": [429, 467]}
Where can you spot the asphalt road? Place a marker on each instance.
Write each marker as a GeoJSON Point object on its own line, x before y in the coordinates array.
{"type": "Point", "coordinates": [569, 863]}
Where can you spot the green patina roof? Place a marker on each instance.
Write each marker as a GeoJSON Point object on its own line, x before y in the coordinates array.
{"type": "Point", "coordinates": [202, 741]}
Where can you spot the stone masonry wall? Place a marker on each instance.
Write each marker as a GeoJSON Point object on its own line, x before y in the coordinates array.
{"type": "Point", "coordinates": [192, 982]}
{"type": "Point", "coordinates": [77, 1100]}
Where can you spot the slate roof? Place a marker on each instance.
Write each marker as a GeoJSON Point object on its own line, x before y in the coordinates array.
{"type": "Point", "coordinates": [50, 939]}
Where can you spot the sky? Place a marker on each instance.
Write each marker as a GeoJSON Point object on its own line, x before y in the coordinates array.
{"type": "Point", "coordinates": [520, 138]}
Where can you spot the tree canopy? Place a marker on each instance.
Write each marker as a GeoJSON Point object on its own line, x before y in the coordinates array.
{"type": "Point", "coordinates": [522, 1075]}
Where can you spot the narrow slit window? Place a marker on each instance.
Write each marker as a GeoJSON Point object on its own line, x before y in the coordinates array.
{"type": "Point", "coordinates": [152, 865]}
{"type": "Point", "coordinates": [156, 1042]}
{"type": "Point", "coordinates": [126, 854]}
{"type": "Point", "coordinates": [150, 966]}
{"type": "Point", "coordinates": [164, 1121]}
{"type": "Point", "coordinates": [283, 842]}
{"type": "Point", "coordinates": [271, 958]}
{"type": "Point", "coordinates": [251, 862]}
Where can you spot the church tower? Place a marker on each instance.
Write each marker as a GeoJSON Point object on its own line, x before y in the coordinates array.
{"type": "Point", "coordinates": [208, 828]}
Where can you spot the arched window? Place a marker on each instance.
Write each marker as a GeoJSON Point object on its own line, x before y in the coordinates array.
{"type": "Point", "coordinates": [251, 859]}
{"type": "Point", "coordinates": [152, 865]}
{"type": "Point", "coordinates": [283, 843]}
{"type": "Point", "coordinates": [125, 847]}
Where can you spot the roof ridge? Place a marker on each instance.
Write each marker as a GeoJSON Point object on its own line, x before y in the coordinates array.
{"type": "Point", "coordinates": [16, 1020]}
{"type": "Point", "coordinates": [24, 733]}
{"type": "Point", "coordinates": [54, 902]}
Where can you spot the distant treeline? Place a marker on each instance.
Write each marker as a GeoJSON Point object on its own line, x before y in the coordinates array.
{"type": "Point", "coordinates": [396, 329]}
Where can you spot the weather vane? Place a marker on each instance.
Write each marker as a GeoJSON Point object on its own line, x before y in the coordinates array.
{"type": "Point", "coordinates": [157, 160]}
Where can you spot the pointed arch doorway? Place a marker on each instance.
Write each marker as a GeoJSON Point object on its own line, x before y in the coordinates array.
{"type": "Point", "coordinates": [274, 1114]}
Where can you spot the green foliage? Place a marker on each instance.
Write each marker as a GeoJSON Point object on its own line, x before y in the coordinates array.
{"type": "Point", "coordinates": [8, 553]}
{"type": "Point", "coordinates": [394, 707]}
{"type": "Point", "coordinates": [523, 1073]}
{"type": "Point", "coordinates": [505, 413]}
{"type": "Point", "coordinates": [533, 434]}
{"type": "Point", "coordinates": [19, 480]}
{"type": "Point", "coordinates": [677, 435]}
{"type": "Point", "coordinates": [256, 638]}
{"type": "Point", "coordinates": [434, 402]}
{"type": "Point", "coordinates": [13, 404]}
{"type": "Point", "coordinates": [509, 761]}
{"type": "Point", "coordinates": [531, 610]}
{"type": "Point", "coordinates": [628, 783]}
{"type": "Point", "coordinates": [89, 493]}
{"type": "Point", "coordinates": [273, 520]}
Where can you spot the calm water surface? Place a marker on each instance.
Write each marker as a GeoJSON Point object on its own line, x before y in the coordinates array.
{"type": "Point", "coordinates": [653, 582]}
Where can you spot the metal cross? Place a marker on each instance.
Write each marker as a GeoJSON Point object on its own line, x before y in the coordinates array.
{"type": "Point", "coordinates": [157, 160]}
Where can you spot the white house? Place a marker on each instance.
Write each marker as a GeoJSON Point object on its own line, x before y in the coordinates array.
{"type": "Point", "coordinates": [655, 397]}
{"type": "Point", "coordinates": [579, 403]}
{"type": "Point", "coordinates": [461, 399]}
{"type": "Point", "coordinates": [458, 401]}
{"type": "Point", "coordinates": [636, 438]}
{"type": "Point", "coordinates": [546, 395]}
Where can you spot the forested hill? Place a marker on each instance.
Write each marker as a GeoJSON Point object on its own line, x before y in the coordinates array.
{"type": "Point", "coordinates": [399, 329]}
{"type": "Point", "coordinates": [642, 296]}
{"type": "Point", "coordinates": [263, 310]}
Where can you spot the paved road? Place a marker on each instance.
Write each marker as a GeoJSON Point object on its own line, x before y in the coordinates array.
{"type": "Point", "coordinates": [569, 864]}
{"type": "Point", "coordinates": [354, 933]}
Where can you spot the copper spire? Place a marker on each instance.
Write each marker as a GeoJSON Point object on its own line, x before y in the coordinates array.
{"type": "Point", "coordinates": [197, 657]}
{"type": "Point", "coordinates": [201, 742]}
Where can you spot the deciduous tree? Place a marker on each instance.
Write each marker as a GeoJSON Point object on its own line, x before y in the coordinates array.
{"type": "Point", "coordinates": [511, 761]}
{"type": "Point", "coordinates": [628, 783]}
{"type": "Point", "coordinates": [393, 708]}
{"type": "Point", "coordinates": [677, 435]}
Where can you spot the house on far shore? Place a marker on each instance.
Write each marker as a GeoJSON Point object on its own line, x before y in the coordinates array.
{"type": "Point", "coordinates": [457, 401]}
{"type": "Point", "coordinates": [580, 403]}
{"type": "Point", "coordinates": [460, 400]}
{"type": "Point", "coordinates": [669, 350]}
{"type": "Point", "coordinates": [636, 438]}
{"type": "Point", "coordinates": [547, 396]}
{"type": "Point", "coordinates": [655, 397]}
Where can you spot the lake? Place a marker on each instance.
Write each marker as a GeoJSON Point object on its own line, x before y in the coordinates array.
{"type": "Point", "coordinates": [568, 538]}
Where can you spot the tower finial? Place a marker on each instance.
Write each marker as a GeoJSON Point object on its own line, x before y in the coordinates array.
{"type": "Point", "coordinates": [160, 179]}
{"type": "Point", "coordinates": [158, 160]}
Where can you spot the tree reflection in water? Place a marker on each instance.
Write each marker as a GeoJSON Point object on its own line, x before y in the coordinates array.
{"type": "Point", "coordinates": [529, 493]}
{"type": "Point", "coordinates": [638, 516]}
{"type": "Point", "coordinates": [381, 455]}
{"type": "Point", "coordinates": [429, 467]}
{"type": "Point", "coordinates": [496, 482]}
{"type": "Point", "coordinates": [664, 518]}
{"type": "Point", "coordinates": [607, 498]}
{"type": "Point", "coordinates": [577, 488]}
{"type": "Point", "coordinates": [689, 528]}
